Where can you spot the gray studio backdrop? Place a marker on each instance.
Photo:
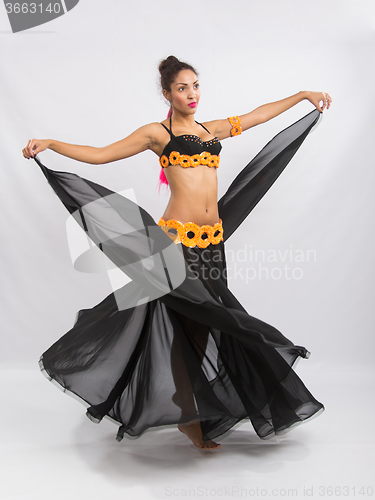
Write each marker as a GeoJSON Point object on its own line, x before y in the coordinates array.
{"type": "Point", "coordinates": [90, 77]}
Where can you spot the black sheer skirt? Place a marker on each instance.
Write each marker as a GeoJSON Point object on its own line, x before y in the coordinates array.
{"type": "Point", "coordinates": [174, 344]}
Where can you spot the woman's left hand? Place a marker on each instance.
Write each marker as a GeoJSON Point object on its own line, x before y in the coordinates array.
{"type": "Point", "coordinates": [316, 97]}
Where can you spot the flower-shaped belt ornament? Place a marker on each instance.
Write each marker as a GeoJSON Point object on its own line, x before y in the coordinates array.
{"type": "Point", "coordinates": [175, 158]}
{"type": "Point", "coordinates": [180, 232]}
{"type": "Point", "coordinates": [236, 129]}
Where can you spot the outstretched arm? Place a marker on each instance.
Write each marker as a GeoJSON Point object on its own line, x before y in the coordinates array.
{"type": "Point", "coordinates": [222, 128]}
{"type": "Point", "coordinates": [141, 139]}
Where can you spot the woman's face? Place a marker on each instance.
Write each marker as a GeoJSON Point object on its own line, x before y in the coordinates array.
{"type": "Point", "coordinates": [185, 94]}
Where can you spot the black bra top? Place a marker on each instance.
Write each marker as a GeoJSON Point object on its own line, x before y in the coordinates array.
{"type": "Point", "coordinates": [190, 144]}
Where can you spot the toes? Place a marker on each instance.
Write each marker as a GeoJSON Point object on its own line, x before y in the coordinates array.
{"type": "Point", "coordinates": [211, 444]}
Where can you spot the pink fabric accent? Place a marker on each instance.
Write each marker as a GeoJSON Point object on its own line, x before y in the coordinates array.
{"type": "Point", "coordinates": [162, 177]}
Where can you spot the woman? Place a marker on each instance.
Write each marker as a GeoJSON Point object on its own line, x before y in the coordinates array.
{"type": "Point", "coordinates": [170, 348]}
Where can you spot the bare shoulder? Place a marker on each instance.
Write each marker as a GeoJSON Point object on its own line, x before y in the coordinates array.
{"type": "Point", "coordinates": [150, 129]}
{"type": "Point", "coordinates": [218, 128]}
{"type": "Point", "coordinates": [157, 136]}
{"type": "Point", "coordinates": [151, 132]}
{"type": "Point", "coordinates": [156, 133]}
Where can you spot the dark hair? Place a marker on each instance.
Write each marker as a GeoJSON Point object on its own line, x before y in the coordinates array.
{"type": "Point", "coordinates": [169, 68]}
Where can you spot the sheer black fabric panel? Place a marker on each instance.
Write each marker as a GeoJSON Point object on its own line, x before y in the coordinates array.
{"type": "Point", "coordinates": [175, 344]}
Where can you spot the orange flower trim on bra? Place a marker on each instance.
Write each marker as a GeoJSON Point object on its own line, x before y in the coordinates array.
{"type": "Point", "coordinates": [182, 230]}
{"type": "Point", "coordinates": [176, 158]}
{"type": "Point", "coordinates": [235, 121]}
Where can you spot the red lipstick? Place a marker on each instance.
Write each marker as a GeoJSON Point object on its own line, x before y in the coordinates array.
{"type": "Point", "coordinates": [192, 104]}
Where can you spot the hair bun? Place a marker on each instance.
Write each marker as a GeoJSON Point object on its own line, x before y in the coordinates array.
{"type": "Point", "coordinates": [169, 61]}
{"type": "Point", "coordinates": [169, 68]}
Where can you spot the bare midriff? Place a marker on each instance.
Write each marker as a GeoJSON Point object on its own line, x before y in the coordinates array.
{"type": "Point", "coordinates": [193, 194]}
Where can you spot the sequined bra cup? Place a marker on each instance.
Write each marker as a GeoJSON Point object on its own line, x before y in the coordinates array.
{"type": "Point", "coordinates": [189, 150]}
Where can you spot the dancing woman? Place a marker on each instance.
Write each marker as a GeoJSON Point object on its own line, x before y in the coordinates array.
{"type": "Point", "coordinates": [193, 356]}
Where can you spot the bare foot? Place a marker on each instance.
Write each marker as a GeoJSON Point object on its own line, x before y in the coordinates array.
{"type": "Point", "coordinates": [194, 432]}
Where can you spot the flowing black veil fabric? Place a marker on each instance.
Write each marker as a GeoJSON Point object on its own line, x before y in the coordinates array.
{"type": "Point", "coordinates": [175, 344]}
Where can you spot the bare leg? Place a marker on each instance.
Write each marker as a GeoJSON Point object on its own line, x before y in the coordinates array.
{"type": "Point", "coordinates": [183, 396]}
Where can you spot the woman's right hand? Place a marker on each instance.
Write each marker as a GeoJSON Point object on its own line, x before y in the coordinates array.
{"type": "Point", "coordinates": [35, 146]}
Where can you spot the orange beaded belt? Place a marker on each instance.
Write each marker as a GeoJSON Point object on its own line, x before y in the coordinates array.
{"type": "Point", "coordinates": [181, 232]}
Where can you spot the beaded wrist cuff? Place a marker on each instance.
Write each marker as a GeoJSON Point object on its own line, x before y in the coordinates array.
{"type": "Point", "coordinates": [214, 234]}
{"type": "Point", "coordinates": [235, 121]}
